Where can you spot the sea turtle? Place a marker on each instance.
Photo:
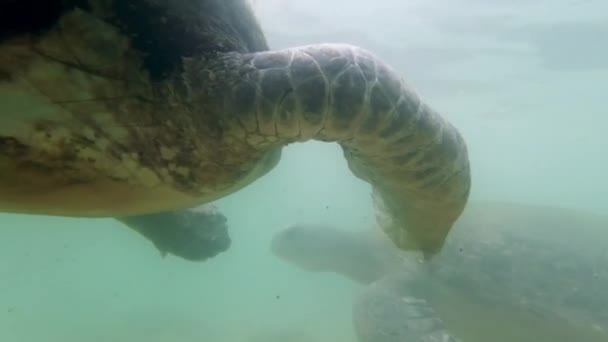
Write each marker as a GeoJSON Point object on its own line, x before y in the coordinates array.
{"type": "Point", "coordinates": [507, 272]}
{"type": "Point", "coordinates": [115, 108]}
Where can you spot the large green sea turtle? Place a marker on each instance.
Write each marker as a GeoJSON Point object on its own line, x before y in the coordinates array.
{"type": "Point", "coordinates": [507, 273]}
{"type": "Point", "coordinates": [113, 108]}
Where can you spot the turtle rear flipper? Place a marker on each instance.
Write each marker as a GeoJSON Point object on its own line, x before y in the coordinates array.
{"type": "Point", "coordinates": [194, 234]}
{"type": "Point", "coordinates": [381, 314]}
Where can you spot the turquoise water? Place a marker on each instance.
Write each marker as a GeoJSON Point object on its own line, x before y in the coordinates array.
{"type": "Point", "coordinates": [524, 83]}
{"type": "Point", "coordinates": [93, 280]}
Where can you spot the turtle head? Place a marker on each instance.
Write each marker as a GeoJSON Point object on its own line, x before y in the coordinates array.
{"type": "Point", "coordinates": [320, 248]}
{"type": "Point", "coordinates": [310, 247]}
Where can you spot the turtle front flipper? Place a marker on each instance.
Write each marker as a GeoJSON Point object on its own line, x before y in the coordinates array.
{"type": "Point", "coordinates": [415, 160]}
{"type": "Point", "coordinates": [193, 234]}
{"type": "Point", "coordinates": [383, 314]}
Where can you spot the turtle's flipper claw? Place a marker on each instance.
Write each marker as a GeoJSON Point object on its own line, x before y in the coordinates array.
{"type": "Point", "coordinates": [193, 234]}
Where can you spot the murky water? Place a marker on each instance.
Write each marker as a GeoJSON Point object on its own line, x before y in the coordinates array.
{"type": "Point", "coordinates": [524, 82]}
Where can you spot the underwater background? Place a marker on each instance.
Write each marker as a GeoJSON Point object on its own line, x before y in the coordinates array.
{"type": "Point", "coordinates": [525, 82]}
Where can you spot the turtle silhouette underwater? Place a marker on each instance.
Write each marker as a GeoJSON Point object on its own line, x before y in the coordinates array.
{"type": "Point", "coordinates": [115, 108]}
{"type": "Point", "coordinates": [507, 272]}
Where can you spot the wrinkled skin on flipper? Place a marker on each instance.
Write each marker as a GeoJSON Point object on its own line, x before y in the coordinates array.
{"type": "Point", "coordinates": [194, 234]}
{"type": "Point", "coordinates": [122, 108]}
{"type": "Point", "coordinates": [386, 312]}
{"type": "Point", "coordinates": [416, 161]}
